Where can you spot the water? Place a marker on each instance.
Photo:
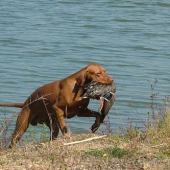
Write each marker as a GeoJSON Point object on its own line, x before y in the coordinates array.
{"type": "Point", "coordinates": [44, 41]}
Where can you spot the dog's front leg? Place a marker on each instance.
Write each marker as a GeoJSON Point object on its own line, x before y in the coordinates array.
{"type": "Point", "coordinates": [89, 113]}
{"type": "Point", "coordinates": [60, 117]}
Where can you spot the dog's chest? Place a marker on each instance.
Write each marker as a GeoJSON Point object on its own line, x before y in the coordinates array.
{"type": "Point", "coordinates": [75, 108]}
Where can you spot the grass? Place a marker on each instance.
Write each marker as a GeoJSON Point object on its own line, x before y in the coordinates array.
{"type": "Point", "coordinates": [128, 151]}
{"type": "Point", "coordinates": [33, 134]}
{"type": "Point", "coordinates": [108, 152]}
{"type": "Point", "coordinates": [156, 137]}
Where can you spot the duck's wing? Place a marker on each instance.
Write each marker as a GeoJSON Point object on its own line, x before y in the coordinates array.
{"type": "Point", "coordinates": [109, 103]}
{"type": "Point", "coordinates": [92, 90]}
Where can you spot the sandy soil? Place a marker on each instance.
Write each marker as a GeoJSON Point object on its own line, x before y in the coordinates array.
{"type": "Point", "coordinates": [60, 154]}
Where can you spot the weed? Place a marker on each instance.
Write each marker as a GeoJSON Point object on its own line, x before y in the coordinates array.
{"type": "Point", "coordinates": [52, 158]}
{"type": "Point", "coordinates": [95, 152]}
{"type": "Point", "coordinates": [160, 155]}
{"type": "Point", "coordinates": [44, 134]}
{"type": "Point", "coordinates": [108, 129]}
{"type": "Point", "coordinates": [166, 151]}
{"type": "Point", "coordinates": [108, 152]}
{"type": "Point", "coordinates": [33, 133]}
{"type": "Point", "coordinates": [4, 126]}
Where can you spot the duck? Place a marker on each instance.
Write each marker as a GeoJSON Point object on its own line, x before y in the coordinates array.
{"type": "Point", "coordinates": [103, 92]}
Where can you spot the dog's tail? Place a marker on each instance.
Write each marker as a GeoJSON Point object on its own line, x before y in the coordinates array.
{"type": "Point", "coordinates": [21, 105]}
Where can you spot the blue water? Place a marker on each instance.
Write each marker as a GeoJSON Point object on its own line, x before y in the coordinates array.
{"type": "Point", "coordinates": [42, 41]}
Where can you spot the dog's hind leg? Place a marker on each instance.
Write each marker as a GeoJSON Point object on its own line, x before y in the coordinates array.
{"type": "Point", "coordinates": [22, 124]}
{"type": "Point", "coordinates": [53, 126]}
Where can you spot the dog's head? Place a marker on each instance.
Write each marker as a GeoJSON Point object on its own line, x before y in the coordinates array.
{"type": "Point", "coordinates": [94, 72]}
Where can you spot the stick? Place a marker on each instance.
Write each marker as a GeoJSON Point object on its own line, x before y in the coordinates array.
{"type": "Point", "coordinates": [156, 146]}
{"type": "Point", "coordinates": [85, 140]}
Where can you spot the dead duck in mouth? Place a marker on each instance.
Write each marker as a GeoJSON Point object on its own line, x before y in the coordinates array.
{"type": "Point", "coordinates": [103, 92]}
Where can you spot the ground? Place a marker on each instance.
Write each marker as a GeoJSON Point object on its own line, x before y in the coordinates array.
{"type": "Point", "coordinates": [86, 152]}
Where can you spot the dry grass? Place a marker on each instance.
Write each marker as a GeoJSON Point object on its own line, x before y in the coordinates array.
{"type": "Point", "coordinates": [54, 155]}
{"type": "Point", "coordinates": [147, 150]}
{"type": "Point", "coordinates": [105, 152]}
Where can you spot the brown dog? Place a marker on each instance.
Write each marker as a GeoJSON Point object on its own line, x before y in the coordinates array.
{"type": "Point", "coordinates": [53, 102]}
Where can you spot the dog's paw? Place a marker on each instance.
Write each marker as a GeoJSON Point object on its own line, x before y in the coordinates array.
{"type": "Point", "coordinates": [94, 128]}
{"type": "Point", "coordinates": [66, 135]}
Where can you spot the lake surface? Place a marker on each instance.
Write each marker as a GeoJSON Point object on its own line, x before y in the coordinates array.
{"type": "Point", "coordinates": [42, 41]}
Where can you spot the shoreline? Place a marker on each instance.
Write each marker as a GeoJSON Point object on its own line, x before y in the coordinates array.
{"type": "Point", "coordinates": [75, 152]}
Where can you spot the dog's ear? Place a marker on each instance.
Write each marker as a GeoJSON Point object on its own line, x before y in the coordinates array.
{"type": "Point", "coordinates": [81, 80]}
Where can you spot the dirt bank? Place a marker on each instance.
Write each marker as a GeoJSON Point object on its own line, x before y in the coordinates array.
{"type": "Point", "coordinates": [76, 153]}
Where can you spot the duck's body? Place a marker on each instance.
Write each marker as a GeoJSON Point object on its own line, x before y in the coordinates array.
{"type": "Point", "coordinates": [105, 93]}
{"type": "Point", "coordinates": [95, 90]}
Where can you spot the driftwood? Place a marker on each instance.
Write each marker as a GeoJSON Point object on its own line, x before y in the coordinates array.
{"type": "Point", "coordinates": [85, 140]}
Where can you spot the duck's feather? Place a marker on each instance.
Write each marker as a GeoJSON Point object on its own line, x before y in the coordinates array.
{"type": "Point", "coordinates": [96, 90]}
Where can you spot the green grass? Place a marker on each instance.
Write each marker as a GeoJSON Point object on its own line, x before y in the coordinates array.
{"type": "Point", "coordinates": [108, 152]}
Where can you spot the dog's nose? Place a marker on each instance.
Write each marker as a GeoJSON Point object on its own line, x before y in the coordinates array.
{"type": "Point", "coordinates": [111, 80]}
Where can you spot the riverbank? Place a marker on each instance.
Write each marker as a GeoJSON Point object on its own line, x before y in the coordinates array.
{"type": "Point", "coordinates": [89, 151]}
